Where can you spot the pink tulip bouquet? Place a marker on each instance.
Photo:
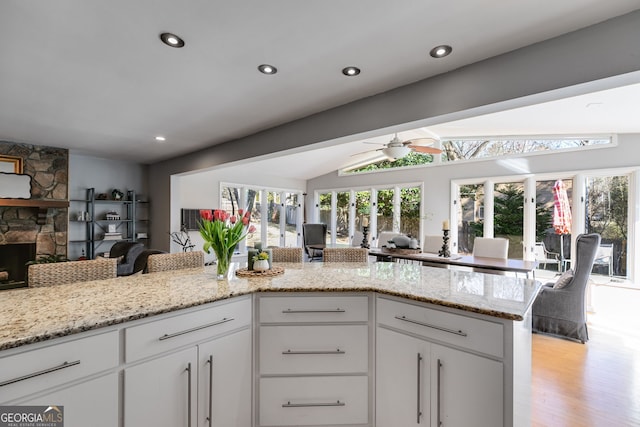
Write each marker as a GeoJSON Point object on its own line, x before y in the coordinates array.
{"type": "Point", "coordinates": [222, 232]}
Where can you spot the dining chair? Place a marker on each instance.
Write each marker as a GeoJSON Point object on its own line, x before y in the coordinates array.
{"type": "Point", "coordinates": [491, 247]}
{"type": "Point", "coordinates": [176, 261]}
{"type": "Point", "coordinates": [286, 254]}
{"type": "Point", "coordinates": [604, 257]}
{"type": "Point", "coordinates": [544, 257]}
{"type": "Point", "coordinates": [314, 234]}
{"type": "Point", "coordinates": [432, 243]}
{"type": "Point", "coordinates": [60, 273]}
{"type": "Point", "coordinates": [346, 255]}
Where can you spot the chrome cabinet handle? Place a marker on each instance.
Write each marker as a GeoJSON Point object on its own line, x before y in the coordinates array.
{"type": "Point", "coordinates": [188, 369]}
{"type": "Point", "coordinates": [439, 422]}
{"type": "Point", "coordinates": [337, 351]}
{"type": "Point", "coordinates": [419, 406]}
{"type": "Point", "coordinates": [44, 371]}
{"type": "Point", "coordinates": [306, 405]}
{"type": "Point", "coordinates": [197, 328]}
{"type": "Point", "coordinates": [440, 328]}
{"type": "Point", "coordinates": [210, 362]}
{"type": "Point", "coordinates": [337, 310]}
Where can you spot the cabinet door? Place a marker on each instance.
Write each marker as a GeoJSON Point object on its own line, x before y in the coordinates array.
{"type": "Point", "coordinates": [224, 381]}
{"type": "Point", "coordinates": [162, 392]}
{"type": "Point", "coordinates": [466, 389]}
{"type": "Point", "coordinates": [93, 403]}
{"type": "Point", "coordinates": [402, 380]}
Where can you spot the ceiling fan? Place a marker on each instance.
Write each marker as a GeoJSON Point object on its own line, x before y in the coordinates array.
{"type": "Point", "coordinates": [397, 149]}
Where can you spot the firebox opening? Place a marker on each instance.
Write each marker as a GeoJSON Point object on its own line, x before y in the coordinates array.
{"type": "Point", "coordinates": [13, 268]}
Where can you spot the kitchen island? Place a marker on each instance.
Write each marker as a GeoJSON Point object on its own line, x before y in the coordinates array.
{"type": "Point", "coordinates": [394, 301]}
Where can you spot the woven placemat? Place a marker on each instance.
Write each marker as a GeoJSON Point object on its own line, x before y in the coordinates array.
{"type": "Point", "coordinates": [274, 271]}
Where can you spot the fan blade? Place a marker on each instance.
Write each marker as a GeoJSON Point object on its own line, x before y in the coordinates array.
{"type": "Point", "coordinates": [420, 142]}
{"type": "Point", "coordinates": [425, 150]}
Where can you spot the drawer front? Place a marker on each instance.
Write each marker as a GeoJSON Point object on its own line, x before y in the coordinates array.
{"type": "Point", "coordinates": [314, 349]}
{"type": "Point", "coordinates": [172, 332]}
{"type": "Point", "coordinates": [40, 369]}
{"type": "Point", "coordinates": [300, 309]}
{"type": "Point", "coordinates": [470, 333]}
{"type": "Point", "coordinates": [313, 400]}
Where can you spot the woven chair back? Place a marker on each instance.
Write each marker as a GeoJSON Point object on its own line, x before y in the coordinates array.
{"type": "Point", "coordinates": [286, 254]}
{"type": "Point", "coordinates": [177, 261]}
{"type": "Point", "coordinates": [59, 273]}
{"type": "Point", "coordinates": [345, 255]}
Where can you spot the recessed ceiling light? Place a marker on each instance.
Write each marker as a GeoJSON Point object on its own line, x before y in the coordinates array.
{"type": "Point", "coordinates": [171, 40]}
{"type": "Point", "coordinates": [441, 51]}
{"type": "Point", "coordinates": [351, 71]}
{"type": "Point", "coordinates": [267, 69]}
{"type": "Point", "coordinates": [161, 138]}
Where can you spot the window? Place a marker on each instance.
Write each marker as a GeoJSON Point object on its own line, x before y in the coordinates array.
{"type": "Point", "coordinates": [276, 214]}
{"type": "Point", "coordinates": [470, 214]}
{"type": "Point", "coordinates": [396, 209]}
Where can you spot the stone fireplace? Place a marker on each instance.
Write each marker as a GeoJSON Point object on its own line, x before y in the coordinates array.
{"type": "Point", "coordinates": [41, 220]}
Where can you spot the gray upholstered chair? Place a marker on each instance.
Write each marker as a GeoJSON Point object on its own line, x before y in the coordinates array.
{"type": "Point", "coordinates": [559, 309]}
{"type": "Point", "coordinates": [314, 234]}
{"type": "Point", "coordinates": [126, 253]}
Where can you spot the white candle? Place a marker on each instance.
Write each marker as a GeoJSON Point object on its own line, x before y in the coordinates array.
{"type": "Point", "coordinates": [445, 224]}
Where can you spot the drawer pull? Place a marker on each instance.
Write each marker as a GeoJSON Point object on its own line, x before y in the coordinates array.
{"type": "Point", "coordinates": [336, 310]}
{"type": "Point", "coordinates": [440, 328]}
{"type": "Point", "coordinates": [44, 371]}
{"type": "Point", "coordinates": [308, 405]}
{"type": "Point", "coordinates": [419, 406]}
{"type": "Point", "coordinates": [197, 328]}
{"type": "Point", "coordinates": [188, 369]}
{"type": "Point", "coordinates": [337, 351]}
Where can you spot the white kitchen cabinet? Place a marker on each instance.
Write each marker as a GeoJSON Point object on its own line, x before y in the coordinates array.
{"type": "Point", "coordinates": [92, 403]}
{"type": "Point", "coordinates": [428, 362]}
{"type": "Point", "coordinates": [466, 389]}
{"type": "Point", "coordinates": [419, 383]}
{"type": "Point", "coordinates": [224, 381]}
{"type": "Point", "coordinates": [195, 366]}
{"type": "Point", "coordinates": [162, 392]}
{"type": "Point", "coordinates": [29, 371]}
{"type": "Point", "coordinates": [402, 380]}
{"type": "Point", "coordinates": [313, 357]}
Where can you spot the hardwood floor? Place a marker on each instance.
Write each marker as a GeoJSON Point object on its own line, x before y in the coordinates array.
{"type": "Point", "coordinates": [598, 383]}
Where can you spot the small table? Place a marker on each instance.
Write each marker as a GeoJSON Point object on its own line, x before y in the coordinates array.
{"type": "Point", "coordinates": [512, 265]}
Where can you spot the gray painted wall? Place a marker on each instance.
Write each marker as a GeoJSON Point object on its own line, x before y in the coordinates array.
{"type": "Point", "coordinates": [104, 175]}
{"type": "Point", "coordinates": [602, 51]}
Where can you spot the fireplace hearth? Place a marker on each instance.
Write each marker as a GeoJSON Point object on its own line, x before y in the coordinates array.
{"type": "Point", "coordinates": [13, 258]}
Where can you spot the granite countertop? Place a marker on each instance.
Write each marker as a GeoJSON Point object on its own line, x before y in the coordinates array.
{"type": "Point", "coordinates": [29, 315]}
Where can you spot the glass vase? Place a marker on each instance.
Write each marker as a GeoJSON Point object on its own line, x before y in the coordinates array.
{"type": "Point", "coordinates": [223, 263]}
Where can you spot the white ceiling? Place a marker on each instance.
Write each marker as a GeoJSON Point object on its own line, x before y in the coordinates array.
{"type": "Point", "coordinates": [94, 77]}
